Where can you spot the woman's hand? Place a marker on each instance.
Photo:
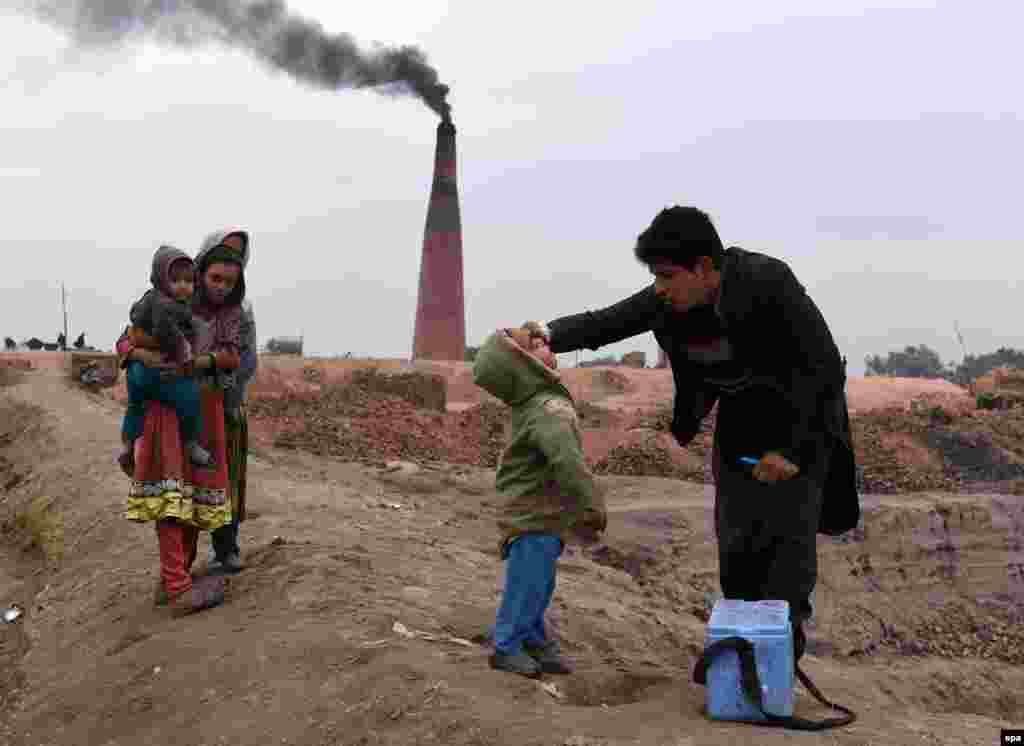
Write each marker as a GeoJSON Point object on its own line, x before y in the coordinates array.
{"type": "Point", "coordinates": [204, 361]}
{"type": "Point", "coordinates": [150, 358]}
{"type": "Point", "coordinates": [140, 339]}
{"type": "Point", "coordinates": [187, 369]}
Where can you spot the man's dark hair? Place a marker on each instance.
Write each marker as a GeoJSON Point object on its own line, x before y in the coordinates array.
{"type": "Point", "coordinates": [679, 235]}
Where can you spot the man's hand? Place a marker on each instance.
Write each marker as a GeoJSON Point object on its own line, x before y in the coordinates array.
{"type": "Point", "coordinates": [774, 467]}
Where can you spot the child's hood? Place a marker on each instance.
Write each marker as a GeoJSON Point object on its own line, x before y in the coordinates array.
{"type": "Point", "coordinates": [507, 371]}
{"type": "Point", "coordinates": [164, 257]}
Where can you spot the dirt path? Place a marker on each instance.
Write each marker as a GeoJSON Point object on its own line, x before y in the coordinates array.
{"type": "Point", "coordinates": [306, 652]}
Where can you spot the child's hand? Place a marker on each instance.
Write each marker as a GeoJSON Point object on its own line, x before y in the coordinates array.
{"type": "Point", "coordinates": [596, 519]}
{"type": "Point", "coordinates": [588, 535]}
{"type": "Point", "coordinates": [149, 358]}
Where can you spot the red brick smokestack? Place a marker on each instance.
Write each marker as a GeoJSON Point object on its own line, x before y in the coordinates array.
{"type": "Point", "coordinates": [440, 332]}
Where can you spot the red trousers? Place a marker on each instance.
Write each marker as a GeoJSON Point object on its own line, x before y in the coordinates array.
{"type": "Point", "coordinates": [178, 543]}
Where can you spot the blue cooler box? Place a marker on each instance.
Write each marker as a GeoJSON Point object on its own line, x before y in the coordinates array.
{"type": "Point", "coordinates": [766, 625]}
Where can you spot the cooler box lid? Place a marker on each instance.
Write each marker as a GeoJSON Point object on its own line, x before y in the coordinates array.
{"type": "Point", "coordinates": [744, 618]}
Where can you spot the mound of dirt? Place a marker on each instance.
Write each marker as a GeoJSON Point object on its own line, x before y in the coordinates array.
{"type": "Point", "coordinates": [935, 441]}
{"type": "Point", "coordinates": [892, 455]}
{"type": "Point", "coordinates": [363, 611]}
{"type": "Point", "coordinates": [958, 630]}
{"type": "Point", "coordinates": [647, 448]}
{"type": "Point", "coordinates": [649, 453]}
{"type": "Point", "coordinates": [975, 455]}
{"type": "Point", "coordinates": [12, 369]}
{"type": "Point", "coordinates": [594, 417]}
{"type": "Point", "coordinates": [1010, 379]}
{"type": "Point", "coordinates": [875, 393]}
{"type": "Point", "coordinates": [16, 421]}
{"type": "Point", "coordinates": [293, 375]}
{"type": "Point", "coordinates": [612, 380]}
{"type": "Point", "coordinates": [900, 449]}
{"type": "Point", "coordinates": [904, 451]}
{"type": "Point", "coordinates": [353, 422]}
{"type": "Point", "coordinates": [639, 460]}
{"type": "Point", "coordinates": [273, 383]}
{"type": "Point", "coordinates": [421, 389]}
{"type": "Point", "coordinates": [9, 376]}
{"type": "Point", "coordinates": [36, 360]}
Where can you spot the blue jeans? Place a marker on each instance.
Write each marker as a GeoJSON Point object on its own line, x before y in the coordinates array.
{"type": "Point", "coordinates": [529, 585]}
{"type": "Point", "coordinates": [144, 384]}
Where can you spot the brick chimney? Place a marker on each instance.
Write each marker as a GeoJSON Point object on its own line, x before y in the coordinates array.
{"type": "Point", "coordinates": [440, 331]}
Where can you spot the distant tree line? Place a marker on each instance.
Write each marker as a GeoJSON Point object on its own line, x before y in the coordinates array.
{"type": "Point", "coordinates": [923, 362]}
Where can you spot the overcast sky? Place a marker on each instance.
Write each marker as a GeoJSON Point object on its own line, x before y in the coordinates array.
{"type": "Point", "coordinates": [875, 146]}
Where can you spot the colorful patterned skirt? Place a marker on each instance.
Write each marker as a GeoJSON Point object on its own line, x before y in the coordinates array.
{"type": "Point", "coordinates": [166, 485]}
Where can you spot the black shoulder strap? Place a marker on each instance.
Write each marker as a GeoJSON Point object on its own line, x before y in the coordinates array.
{"type": "Point", "coordinates": [752, 687]}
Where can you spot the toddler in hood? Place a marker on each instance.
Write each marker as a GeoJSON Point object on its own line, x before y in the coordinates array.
{"type": "Point", "coordinates": [164, 313]}
{"type": "Point", "coordinates": [549, 495]}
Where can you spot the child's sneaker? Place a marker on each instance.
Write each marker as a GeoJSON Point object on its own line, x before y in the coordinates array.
{"type": "Point", "coordinates": [199, 455]}
{"type": "Point", "coordinates": [519, 663]}
{"type": "Point", "coordinates": [548, 658]}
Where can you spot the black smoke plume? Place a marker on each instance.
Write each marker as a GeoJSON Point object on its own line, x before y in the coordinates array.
{"type": "Point", "coordinates": [267, 29]}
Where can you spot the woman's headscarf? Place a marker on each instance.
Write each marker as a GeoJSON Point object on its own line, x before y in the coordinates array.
{"type": "Point", "coordinates": [225, 318]}
{"type": "Point", "coordinates": [232, 246]}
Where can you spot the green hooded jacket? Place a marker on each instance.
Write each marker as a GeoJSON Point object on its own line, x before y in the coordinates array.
{"type": "Point", "coordinates": [542, 475]}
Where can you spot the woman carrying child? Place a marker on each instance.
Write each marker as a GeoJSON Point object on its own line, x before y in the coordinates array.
{"type": "Point", "coordinates": [179, 497]}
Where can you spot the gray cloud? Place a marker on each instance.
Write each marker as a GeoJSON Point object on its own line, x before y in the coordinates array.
{"type": "Point", "coordinates": [766, 125]}
{"type": "Point", "coordinates": [266, 29]}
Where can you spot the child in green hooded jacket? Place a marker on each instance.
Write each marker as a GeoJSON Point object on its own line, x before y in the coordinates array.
{"type": "Point", "coordinates": [550, 494]}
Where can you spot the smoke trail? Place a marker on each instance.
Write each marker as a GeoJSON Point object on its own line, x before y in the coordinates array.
{"type": "Point", "coordinates": [267, 29]}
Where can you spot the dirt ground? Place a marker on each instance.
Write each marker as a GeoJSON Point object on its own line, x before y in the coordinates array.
{"type": "Point", "coordinates": [910, 434]}
{"type": "Point", "coordinates": [361, 617]}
